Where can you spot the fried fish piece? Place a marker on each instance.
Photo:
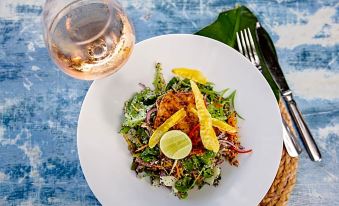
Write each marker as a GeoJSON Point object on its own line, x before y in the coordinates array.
{"type": "Point", "coordinates": [171, 103]}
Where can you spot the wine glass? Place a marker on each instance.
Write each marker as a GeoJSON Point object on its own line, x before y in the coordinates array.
{"type": "Point", "coordinates": [87, 39]}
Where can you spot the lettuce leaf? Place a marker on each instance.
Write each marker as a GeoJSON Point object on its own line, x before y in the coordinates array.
{"type": "Point", "coordinates": [136, 108]}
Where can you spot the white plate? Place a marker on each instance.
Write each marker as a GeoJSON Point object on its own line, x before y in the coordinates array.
{"type": "Point", "coordinates": [105, 159]}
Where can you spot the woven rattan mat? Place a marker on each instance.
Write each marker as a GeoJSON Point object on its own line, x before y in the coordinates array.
{"type": "Point", "coordinates": [286, 177]}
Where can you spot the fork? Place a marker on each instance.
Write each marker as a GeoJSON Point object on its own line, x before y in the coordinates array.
{"type": "Point", "coordinates": [247, 48]}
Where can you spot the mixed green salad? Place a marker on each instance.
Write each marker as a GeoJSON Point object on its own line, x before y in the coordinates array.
{"type": "Point", "coordinates": [149, 109]}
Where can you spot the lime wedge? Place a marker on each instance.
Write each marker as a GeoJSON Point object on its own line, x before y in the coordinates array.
{"type": "Point", "coordinates": [175, 144]}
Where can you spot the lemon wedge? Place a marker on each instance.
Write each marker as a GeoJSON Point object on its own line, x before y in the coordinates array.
{"type": "Point", "coordinates": [223, 126]}
{"type": "Point", "coordinates": [191, 74]}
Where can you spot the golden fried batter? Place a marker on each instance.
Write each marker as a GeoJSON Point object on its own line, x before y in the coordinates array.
{"type": "Point", "coordinates": [171, 103]}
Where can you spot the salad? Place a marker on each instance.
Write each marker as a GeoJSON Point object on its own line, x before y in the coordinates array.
{"type": "Point", "coordinates": [181, 131]}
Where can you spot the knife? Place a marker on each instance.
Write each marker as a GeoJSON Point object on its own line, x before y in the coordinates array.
{"type": "Point", "coordinates": [274, 68]}
{"type": "Point", "coordinates": [291, 144]}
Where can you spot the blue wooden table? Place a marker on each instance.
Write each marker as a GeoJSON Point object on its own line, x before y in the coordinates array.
{"type": "Point", "coordinates": [39, 105]}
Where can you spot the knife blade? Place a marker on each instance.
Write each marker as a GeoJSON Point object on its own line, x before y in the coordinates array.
{"type": "Point", "coordinates": [274, 68]}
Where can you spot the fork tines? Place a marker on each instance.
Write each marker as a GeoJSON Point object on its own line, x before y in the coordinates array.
{"type": "Point", "coordinates": [247, 47]}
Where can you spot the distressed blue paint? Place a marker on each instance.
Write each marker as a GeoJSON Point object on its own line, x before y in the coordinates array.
{"type": "Point", "coordinates": [39, 105]}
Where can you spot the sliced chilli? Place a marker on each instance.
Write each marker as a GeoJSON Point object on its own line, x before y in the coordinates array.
{"type": "Point", "coordinates": [194, 135]}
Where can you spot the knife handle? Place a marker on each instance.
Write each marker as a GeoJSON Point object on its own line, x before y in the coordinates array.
{"type": "Point", "coordinates": [305, 134]}
{"type": "Point", "coordinates": [291, 142]}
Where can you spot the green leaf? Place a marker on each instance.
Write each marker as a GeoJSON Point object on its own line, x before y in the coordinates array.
{"type": "Point", "coordinates": [208, 172]}
{"type": "Point", "coordinates": [141, 133]}
{"type": "Point", "coordinates": [131, 135]}
{"type": "Point", "coordinates": [223, 92]}
{"type": "Point", "coordinates": [184, 184]}
{"type": "Point", "coordinates": [137, 107]}
{"type": "Point", "coordinates": [149, 155]}
{"type": "Point", "coordinates": [231, 99]}
{"type": "Point", "coordinates": [196, 163]}
{"type": "Point", "coordinates": [178, 84]}
{"type": "Point", "coordinates": [159, 81]}
{"type": "Point", "coordinates": [171, 84]}
{"type": "Point", "coordinates": [216, 112]}
{"type": "Point", "coordinates": [207, 157]}
{"type": "Point", "coordinates": [182, 195]}
{"type": "Point", "coordinates": [124, 130]}
{"type": "Point", "coordinates": [224, 30]}
{"type": "Point", "coordinates": [188, 164]}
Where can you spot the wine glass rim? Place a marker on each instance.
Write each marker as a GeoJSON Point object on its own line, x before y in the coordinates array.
{"type": "Point", "coordinates": [59, 15]}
